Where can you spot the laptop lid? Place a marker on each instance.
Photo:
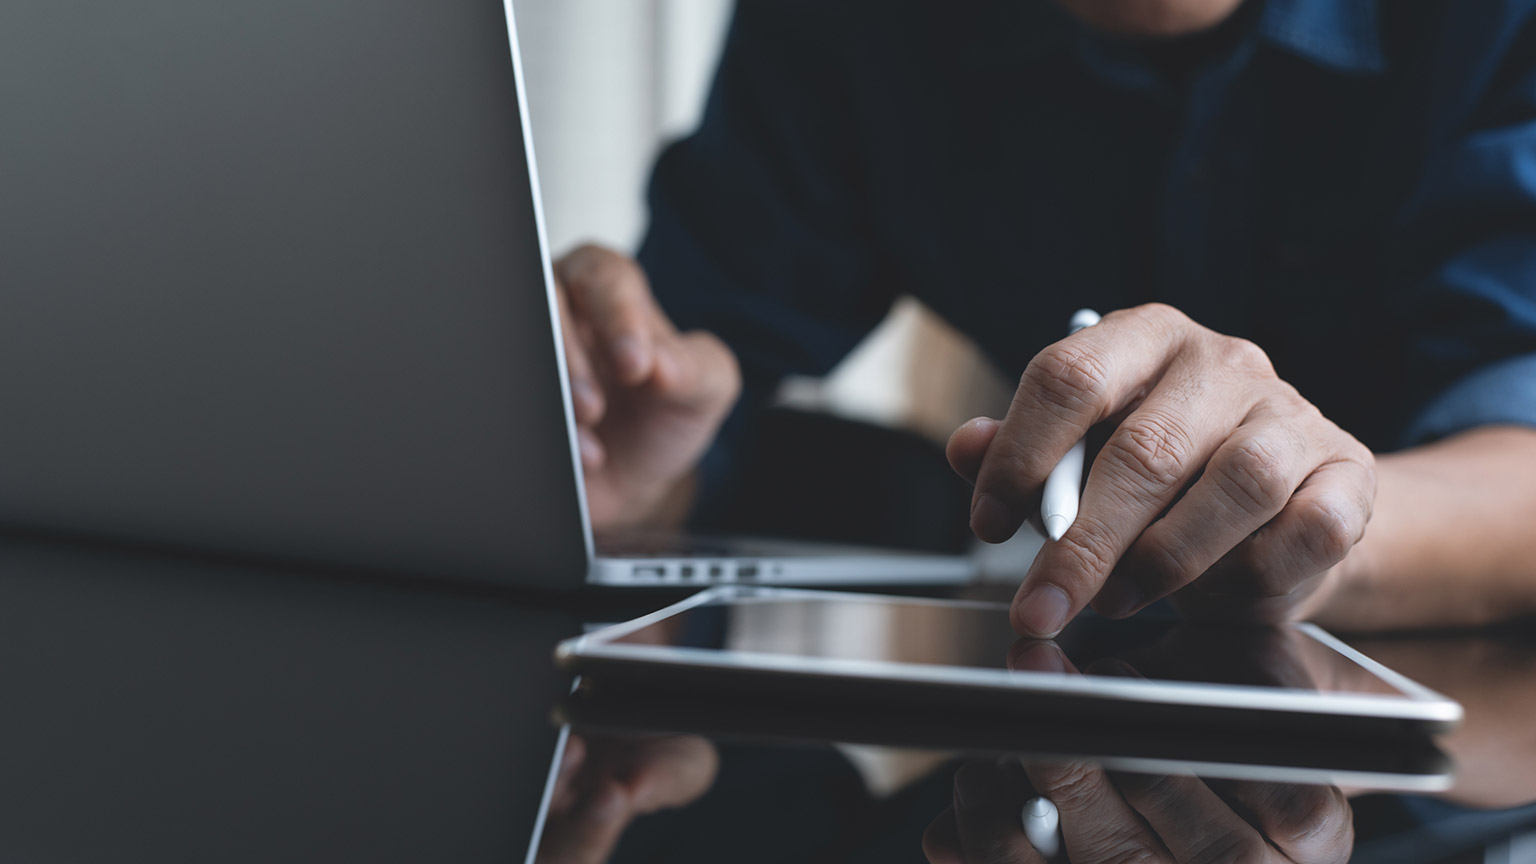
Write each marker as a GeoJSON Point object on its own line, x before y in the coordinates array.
{"type": "Point", "coordinates": [273, 282]}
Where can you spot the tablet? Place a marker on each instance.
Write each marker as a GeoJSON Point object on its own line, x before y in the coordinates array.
{"type": "Point", "coordinates": [948, 658]}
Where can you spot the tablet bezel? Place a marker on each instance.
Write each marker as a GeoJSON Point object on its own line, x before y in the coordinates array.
{"type": "Point", "coordinates": [1419, 708]}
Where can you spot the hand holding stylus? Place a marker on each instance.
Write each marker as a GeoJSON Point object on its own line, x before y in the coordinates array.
{"type": "Point", "coordinates": [1008, 812]}
{"type": "Point", "coordinates": [1215, 470]}
{"type": "Point", "coordinates": [1112, 816]}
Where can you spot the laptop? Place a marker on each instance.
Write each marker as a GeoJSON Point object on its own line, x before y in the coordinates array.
{"type": "Point", "coordinates": [273, 282]}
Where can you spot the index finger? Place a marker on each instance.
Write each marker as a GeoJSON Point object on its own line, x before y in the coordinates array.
{"type": "Point", "coordinates": [609, 292]}
{"type": "Point", "coordinates": [1067, 388]}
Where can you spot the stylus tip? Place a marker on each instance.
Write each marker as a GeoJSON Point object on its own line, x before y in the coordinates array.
{"type": "Point", "coordinates": [1056, 525]}
{"type": "Point", "coordinates": [1038, 807]}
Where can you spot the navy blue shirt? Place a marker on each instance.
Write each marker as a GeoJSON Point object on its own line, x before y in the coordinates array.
{"type": "Point", "coordinates": [1350, 184]}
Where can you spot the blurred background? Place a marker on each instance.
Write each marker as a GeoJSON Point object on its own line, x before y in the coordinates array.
{"type": "Point", "coordinates": [609, 83]}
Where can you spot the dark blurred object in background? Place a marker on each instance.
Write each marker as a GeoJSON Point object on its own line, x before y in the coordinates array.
{"type": "Point", "coordinates": [818, 477]}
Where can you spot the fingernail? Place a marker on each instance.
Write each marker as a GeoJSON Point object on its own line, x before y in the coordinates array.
{"type": "Point", "coordinates": [982, 424]}
{"type": "Point", "coordinates": [992, 520]}
{"type": "Point", "coordinates": [1043, 611]}
{"type": "Point", "coordinates": [1118, 598]}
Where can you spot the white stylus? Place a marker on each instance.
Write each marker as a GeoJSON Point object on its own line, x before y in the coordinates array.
{"type": "Point", "coordinates": [1058, 502]}
{"type": "Point", "coordinates": [1040, 823]}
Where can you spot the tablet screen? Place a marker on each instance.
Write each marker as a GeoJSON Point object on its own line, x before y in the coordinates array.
{"type": "Point", "coordinates": [911, 631]}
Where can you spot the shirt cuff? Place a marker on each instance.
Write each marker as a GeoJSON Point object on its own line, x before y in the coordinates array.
{"type": "Point", "coordinates": [1504, 392]}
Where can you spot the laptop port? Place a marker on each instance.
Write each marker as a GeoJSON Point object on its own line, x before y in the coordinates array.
{"type": "Point", "coordinates": [650, 572]}
{"type": "Point", "coordinates": [746, 571]}
{"type": "Point", "coordinates": [687, 571]}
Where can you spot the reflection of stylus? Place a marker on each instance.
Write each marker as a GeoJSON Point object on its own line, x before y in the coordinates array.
{"type": "Point", "coordinates": [1058, 503]}
{"type": "Point", "coordinates": [1040, 823]}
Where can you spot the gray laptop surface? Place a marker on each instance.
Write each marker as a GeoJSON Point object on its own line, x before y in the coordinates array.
{"type": "Point", "coordinates": [273, 281]}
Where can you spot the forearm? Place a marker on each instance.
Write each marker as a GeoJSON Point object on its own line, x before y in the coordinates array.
{"type": "Point", "coordinates": [1452, 541]}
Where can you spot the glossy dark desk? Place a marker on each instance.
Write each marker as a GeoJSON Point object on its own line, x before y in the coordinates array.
{"type": "Point", "coordinates": [167, 710]}
{"type": "Point", "coordinates": [171, 709]}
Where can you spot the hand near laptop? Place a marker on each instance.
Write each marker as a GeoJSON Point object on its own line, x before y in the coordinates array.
{"type": "Point", "coordinates": [648, 399]}
{"type": "Point", "coordinates": [1216, 470]}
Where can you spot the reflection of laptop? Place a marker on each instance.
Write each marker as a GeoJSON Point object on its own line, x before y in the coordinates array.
{"type": "Point", "coordinates": [273, 282]}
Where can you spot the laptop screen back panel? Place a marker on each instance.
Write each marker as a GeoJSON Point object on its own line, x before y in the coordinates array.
{"type": "Point", "coordinates": [271, 282]}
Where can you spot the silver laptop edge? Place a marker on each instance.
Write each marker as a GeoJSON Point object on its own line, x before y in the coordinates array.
{"type": "Point", "coordinates": [545, 261]}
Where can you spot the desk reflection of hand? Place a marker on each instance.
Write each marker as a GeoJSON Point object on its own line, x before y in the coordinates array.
{"type": "Point", "coordinates": [1260, 656]}
{"type": "Point", "coordinates": [604, 783]}
{"type": "Point", "coordinates": [1117, 817]}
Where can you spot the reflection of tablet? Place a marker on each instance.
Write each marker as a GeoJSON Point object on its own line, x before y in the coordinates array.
{"type": "Point", "coordinates": [1404, 765]}
{"type": "Point", "coordinates": [943, 657]}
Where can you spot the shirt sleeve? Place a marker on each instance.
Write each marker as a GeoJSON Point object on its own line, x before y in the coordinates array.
{"type": "Point", "coordinates": [1472, 322]}
{"type": "Point", "coordinates": [758, 229]}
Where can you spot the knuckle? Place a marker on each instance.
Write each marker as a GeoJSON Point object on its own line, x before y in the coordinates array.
{"type": "Point", "coordinates": [1290, 402]}
{"type": "Point", "coordinates": [1245, 354]}
{"type": "Point", "coordinates": [1162, 314]}
{"type": "Point", "coordinates": [1238, 353]}
{"type": "Point", "coordinates": [1254, 476]}
{"type": "Point", "coordinates": [1156, 449]}
{"type": "Point", "coordinates": [1067, 379]}
{"type": "Point", "coordinates": [1329, 529]}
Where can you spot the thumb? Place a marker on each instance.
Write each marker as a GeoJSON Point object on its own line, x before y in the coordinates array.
{"type": "Point", "coordinates": [968, 446]}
